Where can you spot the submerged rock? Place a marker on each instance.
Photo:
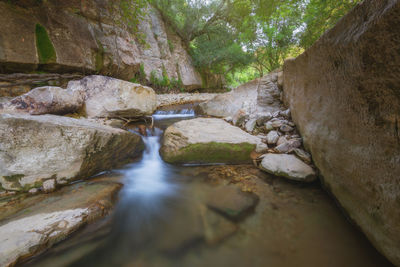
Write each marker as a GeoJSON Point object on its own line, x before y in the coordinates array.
{"type": "Point", "coordinates": [34, 149]}
{"type": "Point", "coordinates": [205, 141]}
{"type": "Point", "coordinates": [288, 166]}
{"type": "Point", "coordinates": [111, 98]}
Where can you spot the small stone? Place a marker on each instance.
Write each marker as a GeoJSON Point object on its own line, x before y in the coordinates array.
{"type": "Point", "coordinates": [276, 114]}
{"type": "Point", "coordinates": [268, 126]}
{"type": "Point", "coordinates": [33, 191]}
{"type": "Point", "coordinates": [286, 128]}
{"type": "Point", "coordinates": [250, 125]}
{"type": "Point", "coordinates": [263, 137]}
{"type": "Point", "coordinates": [49, 185]}
{"type": "Point", "coordinates": [261, 148]}
{"type": "Point", "coordinates": [276, 123]}
{"type": "Point", "coordinates": [285, 113]}
{"type": "Point", "coordinates": [262, 119]}
{"type": "Point", "coordinates": [272, 137]}
{"type": "Point", "coordinates": [288, 166]}
{"type": "Point", "coordinates": [288, 146]}
{"type": "Point", "coordinates": [281, 140]}
{"type": "Point", "coordinates": [291, 124]}
{"type": "Point", "coordinates": [303, 155]}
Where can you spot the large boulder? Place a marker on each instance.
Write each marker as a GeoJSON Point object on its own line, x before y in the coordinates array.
{"type": "Point", "coordinates": [344, 93]}
{"type": "Point", "coordinates": [205, 141]}
{"type": "Point", "coordinates": [109, 97]}
{"type": "Point", "coordinates": [34, 149]}
{"type": "Point", "coordinates": [47, 100]}
{"type": "Point", "coordinates": [260, 95]}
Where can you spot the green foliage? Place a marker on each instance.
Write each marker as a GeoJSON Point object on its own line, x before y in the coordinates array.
{"type": "Point", "coordinates": [45, 48]}
{"type": "Point", "coordinates": [171, 46]}
{"type": "Point", "coordinates": [320, 16]}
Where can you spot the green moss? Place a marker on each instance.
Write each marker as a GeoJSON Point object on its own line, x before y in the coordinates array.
{"type": "Point", "coordinates": [45, 48]}
{"type": "Point", "coordinates": [212, 153]}
{"type": "Point", "coordinates": [99, 60]}
{"type": "Point", "coordinates": [14, 180]}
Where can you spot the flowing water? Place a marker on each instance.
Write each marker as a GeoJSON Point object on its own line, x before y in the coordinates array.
{"type": "Point", "coordinates": [162, 219]}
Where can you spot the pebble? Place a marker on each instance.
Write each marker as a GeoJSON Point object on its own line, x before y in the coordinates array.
{"type": "Point", "coordinates": [286, 128]}
{"type": "Point", "coordinates": [303, 155]}
{"type": "Point", "coordinates": [276, 123]}
{"type": "Point", "coordinates": [262, 119]}
{"type": "Point", "coordinates": [250, 125]}
{"type": "Point", "coordinates": [281, 140]}
{"type": "Point", "coordinates": [261, 148]}
{"type": "Point", "coordinates": [49, 185]}
{"type": "Point", "coordinates": [268, 126]}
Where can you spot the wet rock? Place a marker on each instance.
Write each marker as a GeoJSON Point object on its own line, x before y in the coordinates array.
{"type": "Point", "coordinates": [272, 137]}
{"type": "Point", "coordinates": [37, 148]}
{"type": "Point", "coordinates": [204, 140]}
{"type": "Point", "coordinates": [106, 97]}
{"type": "Point", "coordinates": [250, 125]}
{"type": "Point", "coordinates": [216, 227]}
{"type": "Point", "coordinates": [39, 221]}
{"type": "Point", "coordinates": [47, 100]}
{"type": "Point", "coordinates": [231, 202]}
{"type": "Point", "coordinates": [49, 185]}
{"type": "Point", "coordinates": [288, 166]}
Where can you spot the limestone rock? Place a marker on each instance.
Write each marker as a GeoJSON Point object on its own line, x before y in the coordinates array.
{"type": "Point", "coordinates": [36, 148]}
{"type": "Point", "coordinates": [262, 119]}
{"type": "Point", "coordinates": [250, 124]}
{"type": "Point", "coordinates": [345, 99]}
{"type": "Point", "coordinates": [287, 166]}
{"type": "Point", "coordinates": [205, 140]}
{"type": "Point", "coordinates": [49, 185]}
{"type": "Point", "coordinates": [261, 148]}
{"type": "Point", "coordinates": [47, 100]}
{"type": "Point", "coordinates": [92, 42]}
{"type": "Point", "coordinates": [303, 155]}
{"type": "Point", "coordinates": [109, 97]}
{"type": "Point", "coordinates": [257, 96]}
{"type": "Point", "coordinates": [183, 98]}
{"type": "Point", "coordinates": [288, 146]}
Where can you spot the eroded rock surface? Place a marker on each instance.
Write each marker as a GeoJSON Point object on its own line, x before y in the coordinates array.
{"type": "Point", "coordinates": [46, 100]}
{"type": "Point", "coordinates": [345, 98]}
{"type": "Point", "coordinates": [204, 140]}
{"type": "Point", "coordinates": [183, 98]}
{"type": "Point", "coordinates": [34, 149]}
{"type": "Point", "coordinates": [88, 37]}
{"type": "Point", "coordinates": [29, 225]}
{"type": "Point", "coordinates": [106, 97]}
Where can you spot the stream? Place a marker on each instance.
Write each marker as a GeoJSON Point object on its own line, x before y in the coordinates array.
{"type": "Point", "coordinates": [163, 218]}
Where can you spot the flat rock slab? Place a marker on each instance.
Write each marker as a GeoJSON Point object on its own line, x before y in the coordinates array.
{"type": "Point", "coordinates": [34, 223]}
{"type": "Point", "coordinates": [34, 149]}
{"type": "Point", "coordinates": [109, 97]}
{"type": "Point", "coordinates": [205, 141]}
{"type": "Point", "coordinates": [288, 166]}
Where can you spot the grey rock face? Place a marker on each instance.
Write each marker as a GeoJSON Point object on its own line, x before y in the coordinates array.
{"type": "Point", "coordinates": [349, 119]}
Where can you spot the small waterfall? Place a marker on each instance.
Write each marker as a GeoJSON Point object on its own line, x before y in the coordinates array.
{"type": "Point", "coordinates": [170, 114]}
